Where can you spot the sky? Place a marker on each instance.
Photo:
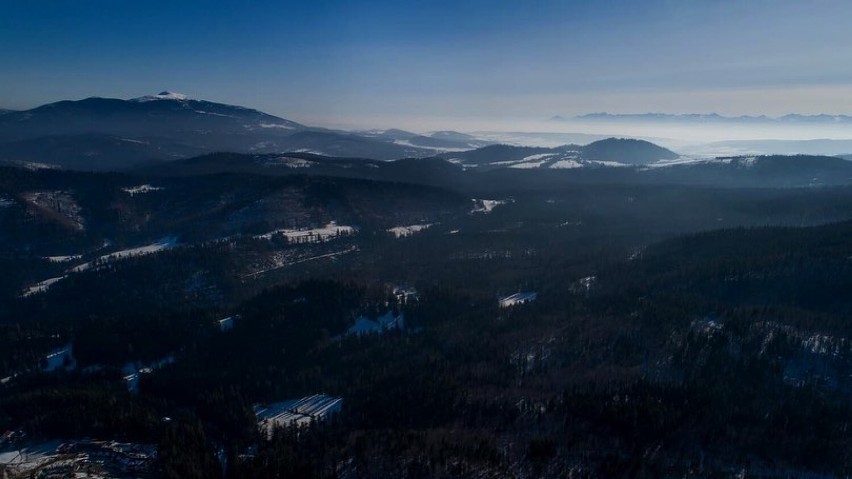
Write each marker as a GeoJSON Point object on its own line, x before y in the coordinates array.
{"type": "Point", "coordinates": [427, 64]}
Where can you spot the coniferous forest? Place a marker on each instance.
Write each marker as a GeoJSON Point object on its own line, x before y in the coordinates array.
{"type": "Point", "coordinates": [677, 331]}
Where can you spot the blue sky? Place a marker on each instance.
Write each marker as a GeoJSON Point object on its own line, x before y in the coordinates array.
{"type": "Point", "coordinates": [424, 63]}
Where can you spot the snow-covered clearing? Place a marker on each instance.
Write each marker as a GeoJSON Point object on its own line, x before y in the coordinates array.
{"type": "Point", "coordinates": [528, 165]}
{"type": "Point", "coordinates": [296, 412]}
{"type": "Point", "coordinates": [611, 164]}
{"type": "Point", "coordinates": [517, 298]}
{"type": "Point", "coordinates": [290, 162]}
{"type": "Point", "coordinates": [403, 231]}
{"type": "Point", "coordinates": [330, 231]}
{"type": "Point", "coordinates": [566, 164]}
{"type": "Point", "coordinates": [140, 189]}
{"type": "Point", "coordinates": [41, 286]}
{"type": "Point", "coordinates": [23, 460]}
{"type": "Point", "coordinates": [163, 244]}
{"type": "Point", "coordinates": [539, 156]}
{"type": "Point", "coordinates": [688, 160]}
{"type": "Point", "coordinates": [486, 206]}
{"type": "Point", "coordinates": [277, 125]}
{"type": "Point", "coordinates": [62, 259]}
{"type": "Point", "coordinates": [313, 152]}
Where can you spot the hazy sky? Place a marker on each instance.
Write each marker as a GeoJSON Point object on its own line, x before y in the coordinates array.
{"type": "Point", "coordinates": [427, 63]}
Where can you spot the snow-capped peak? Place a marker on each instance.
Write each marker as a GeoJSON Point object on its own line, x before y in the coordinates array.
{"type": "Point", "coordinates": [163, 95]}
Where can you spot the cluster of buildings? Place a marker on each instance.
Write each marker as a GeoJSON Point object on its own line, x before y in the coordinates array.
{"type": "Point", "coordinates": [85, 458]}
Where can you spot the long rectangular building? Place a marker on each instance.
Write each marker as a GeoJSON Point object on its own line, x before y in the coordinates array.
{"type": "Point", "coordinates": [297, 412]}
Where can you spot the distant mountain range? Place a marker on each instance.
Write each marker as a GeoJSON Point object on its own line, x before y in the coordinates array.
{"type": "Point", "coordinates": [499, 167]}
{"type": "Point", "coordinates": [114, 134]}
{"type": "Point", "coordinates": [107, 134]}
{"type": "Point", "coordinates": [707, 118]}
{"type": "Point", "coordinates": [438, 141]}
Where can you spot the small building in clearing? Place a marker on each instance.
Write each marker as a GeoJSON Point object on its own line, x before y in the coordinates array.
{"type": "Point", "coordinates": [62, 358]}
{"type": "Point", "coordinates": [227, 324]}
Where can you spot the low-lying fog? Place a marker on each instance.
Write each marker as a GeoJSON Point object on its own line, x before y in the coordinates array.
{"type": "Point", "coordinates": [698, 138]}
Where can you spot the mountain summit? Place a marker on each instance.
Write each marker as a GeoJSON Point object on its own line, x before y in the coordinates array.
{"type": "Point", "coordinates": [113, 134]}
{"type": "Point", "coordinates": [163, 95]}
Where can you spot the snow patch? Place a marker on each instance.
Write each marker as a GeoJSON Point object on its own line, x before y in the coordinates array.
{"type": "Point", "coordinates": [311, 235]}
{"type": "Point", "coordinates": [164, 95]}
{"type": "Point", "coordinates": [161, 245]}
{"type": "Point", "coordinates": [486, 206]}
{"type": "Point", "coordinates": [583, 285]}
{"type": "Point", "coordinates": [540, 156]}
{"type": "Point", "coordinates": [277, 125]}
{"type": "Point", "coordinates": [290, 162]}
{"type": "Point", "coordinates": [313, 152]}
{"type": "Point", "coordinates": [403, 231]}
{"type": "Point", "coordinates": [687, 161]}
{"type": "Point", "coordinates": [529, 165]}
{"type": "Point", "coordinates": [611, 164]}
{"type": "Point", "coordinates": [62, 259]}
{"type": "Point", "coordinates": [566, 164]}
{"type": "Point", "coordinates": [296, 412]}
{"type": "Point", "coordinates": [517, 298]}
{"type": "Point", "coordinates": [140, 189]}
{"type": "Point", "coordinates": [41, 286]}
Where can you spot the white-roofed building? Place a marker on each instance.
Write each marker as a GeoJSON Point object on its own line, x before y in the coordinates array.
{"type": "Point", "coordinates": [517, 298]}
{"type": "Point", "coordinates": [296, 412]}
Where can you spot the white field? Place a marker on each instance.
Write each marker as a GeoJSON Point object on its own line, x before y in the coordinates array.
{"type": "Point", "coordinates": [163, 244]}
{"type": "Point", "coordinates": [528, 165]}
{"type": "Point", "coordinates": [20, 461]}
{"type": "Point", "coordinates": [403, 231]}
{"type": "Point", "coordinates": [486, 206]}
{"type": "Point", "coordinates": [566, 164]}
{"type": "Point", "coordinates": [324, 233]}
{"type": "Point", "coordinates": [540, 156]}
{"type": "Point", "coordinates": [62, 259]}
{"type": "Point", "coordinates": [289, 162]}
{"type": "Point", "coordinates": [41, 286]}
{"type": "Point", "coordinates": [140, 189]}
{"type": "Point", "coordinates": [687, 160]}
{"type": "Point", "coordinates": [611, 164]}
